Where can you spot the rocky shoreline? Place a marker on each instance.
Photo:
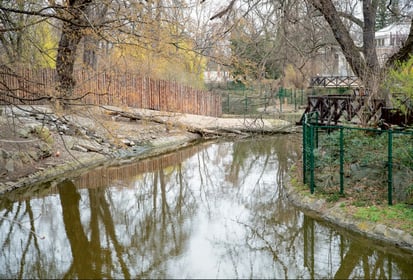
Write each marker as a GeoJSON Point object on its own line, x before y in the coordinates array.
{"type": "Point", "coordinates": [42, 146]}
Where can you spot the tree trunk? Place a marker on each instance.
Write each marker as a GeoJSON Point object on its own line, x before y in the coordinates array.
{"type": "Point", "coordinates": [65, 61]}
{"type": "Point", "coordinates": [89, 52]}
{"type": "Point", "coordinates": [406, 50]}
{"type": "Point", "coordinates": [72, 33]}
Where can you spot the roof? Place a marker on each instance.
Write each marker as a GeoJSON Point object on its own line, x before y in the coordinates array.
{"type": "Point", "coordinates": [395, 28]}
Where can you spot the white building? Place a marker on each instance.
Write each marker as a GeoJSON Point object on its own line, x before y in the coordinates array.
{"type": "Point", "coordinates": [216, 74]}
{"type": "Point", "coordinates": [390, 39]}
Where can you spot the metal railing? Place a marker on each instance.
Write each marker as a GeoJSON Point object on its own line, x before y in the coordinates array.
{"type": "Point", "coordinates": [339, 153]}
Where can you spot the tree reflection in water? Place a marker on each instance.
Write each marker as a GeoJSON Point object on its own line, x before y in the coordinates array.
{"type": "Point", "coordinates": [215, 210]}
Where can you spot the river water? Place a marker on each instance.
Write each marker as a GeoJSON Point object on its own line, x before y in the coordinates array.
{"type": "Point", "coordinates": [214, 210]}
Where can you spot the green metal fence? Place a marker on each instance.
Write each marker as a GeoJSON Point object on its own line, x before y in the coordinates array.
{"type": "Point", "coordinates": [252, 101]}
{"type": "Point", "coordinates": [371, 162]}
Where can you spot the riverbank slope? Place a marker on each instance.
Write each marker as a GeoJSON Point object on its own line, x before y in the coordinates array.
{"type": "Point", "coordinates": [39, 144]}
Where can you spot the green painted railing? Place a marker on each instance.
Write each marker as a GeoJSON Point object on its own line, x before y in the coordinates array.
{"type": "Point", "coordinates": [310, 142]}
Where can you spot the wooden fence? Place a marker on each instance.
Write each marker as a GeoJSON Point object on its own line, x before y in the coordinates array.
{"type": "Point", "coordinates": [108, 88]}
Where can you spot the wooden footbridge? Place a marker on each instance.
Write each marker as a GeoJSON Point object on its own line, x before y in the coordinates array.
{"type": "Point", "coordinates": [332, 107]}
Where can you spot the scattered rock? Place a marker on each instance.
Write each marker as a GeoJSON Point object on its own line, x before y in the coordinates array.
{"type": "Point", "coordinates": [79, 148]}
{"type": "Point", "coordinates": [24, 132]}
{"type": "Point", "coordinates": [9, 165]}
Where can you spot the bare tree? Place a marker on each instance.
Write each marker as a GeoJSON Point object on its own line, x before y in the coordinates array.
{"type": "Point", "coordinates": [341, 18]}
{"type": "Point", "coordinates": [363, 60]}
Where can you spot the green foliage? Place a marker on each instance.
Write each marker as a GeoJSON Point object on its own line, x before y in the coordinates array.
{"type": "Point", "coordinates": [365, 164]}
{"type": "Point", "coordinates": [44, 133]}
{"type": "Point", "coordinates": [333, 197]}
{"type": "Point", "coordinates": [385, 15]}
{"type": "Point", "coordinates": [368, 213]}
{"type": "Point", "coordinates": [44, 53]}
{"type": "Point", "coordinates": [400, 84]}
{"type": "Point", "coordinates": [388, 215]}
{"type": "Point", "coordinates": [409, 194]}
{"type": "Point", "coordinates": [27, 41]}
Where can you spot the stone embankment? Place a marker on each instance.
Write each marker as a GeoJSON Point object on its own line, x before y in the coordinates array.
{"type": "Point", "coordinates": [37, 144]}
{"type": "Point", "coordinates": [335, 213]}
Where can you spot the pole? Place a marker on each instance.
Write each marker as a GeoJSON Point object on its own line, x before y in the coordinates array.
{"type": "Point", "coordinates": [390, 167]}
{"type": "Point", "coordinates": [341, 161]}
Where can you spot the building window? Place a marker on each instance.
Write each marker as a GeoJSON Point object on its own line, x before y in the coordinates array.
{"type": "Point", "coordinates": [379, 42]}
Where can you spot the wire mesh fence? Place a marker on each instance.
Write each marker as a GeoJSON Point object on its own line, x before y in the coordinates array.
{"type": "Point", "coordinates": [249, 101]}
{"type": "Point", "coordinates": [238, 99]}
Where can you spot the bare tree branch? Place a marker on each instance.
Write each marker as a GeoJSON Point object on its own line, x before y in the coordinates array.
{"type": "Point", "coordinates": [224, 11]}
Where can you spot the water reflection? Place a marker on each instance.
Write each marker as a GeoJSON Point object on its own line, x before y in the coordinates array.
{"type": "Point", "coordinates": [215, 210]}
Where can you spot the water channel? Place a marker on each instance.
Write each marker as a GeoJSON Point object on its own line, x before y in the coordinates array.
{"type": "Point", "coordinates": [213, 210]}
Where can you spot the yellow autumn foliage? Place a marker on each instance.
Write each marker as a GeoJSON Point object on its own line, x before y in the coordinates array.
{"type": "Point", "coordinates": [41, 46]}
{"type": "Point", "coordinates": [171, 58]}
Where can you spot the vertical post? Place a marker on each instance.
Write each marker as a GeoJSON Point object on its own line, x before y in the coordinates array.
{"type": "Point", "coordinates": [304, 149]}
{"type": "Point", "coordinates": [316, 131]}
{"type": "Point", "coordinates": [280, 94]}
{"type": "Point", "coordinates": [302, 97]}
{"type": "Point", "coordinates": [312, 158]}
{"type": "Point", "coordinates": [246, 101]}
{"type": "Point", "coordinates": [341, 161]}
{"type": "Point", "coordinates": [228, 103]}
{"type": "Point", "coordinates": [295, 99]}
{"type": "Point", "coordinates": [390, 167]}
{"type": "Point", "coordinates": [265, 101]}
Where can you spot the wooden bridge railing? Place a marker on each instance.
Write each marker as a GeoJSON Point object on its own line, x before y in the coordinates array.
{"type": "Point", "coordinates": [335, 81]}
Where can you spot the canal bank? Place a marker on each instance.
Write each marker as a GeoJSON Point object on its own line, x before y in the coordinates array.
{"type": "Point", "coordinates": [39, 144]}
{"type": "Point", "coordinates": [45, 146]}
{"type": "Point", "coordinates": [343, 214]}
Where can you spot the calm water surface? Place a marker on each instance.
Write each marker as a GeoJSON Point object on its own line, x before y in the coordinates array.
{"type": "Point", "coordinates": [215, 210]}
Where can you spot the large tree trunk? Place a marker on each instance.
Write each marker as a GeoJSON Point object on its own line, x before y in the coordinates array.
{"type": "Point", "coordinates": [72, 33]}
{"type": "Point", "coordinates": [364, 63]}
{"type": "Point", "coordinates": [372, 71]}
{"type": "Point", "coordinates": [340, 32]}
{"type": "Point", "coordinates": [65, 60]}
{"type": "Point", "coordinates": [91, 42]}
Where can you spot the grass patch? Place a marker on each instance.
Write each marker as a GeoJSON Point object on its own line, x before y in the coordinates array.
{"type": "Point", "coordinates": [398, 216]}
